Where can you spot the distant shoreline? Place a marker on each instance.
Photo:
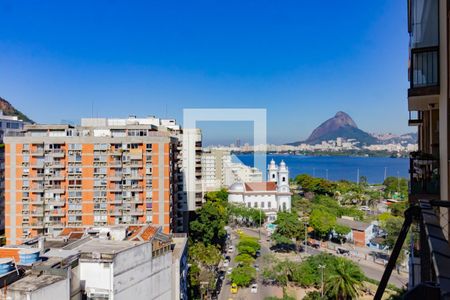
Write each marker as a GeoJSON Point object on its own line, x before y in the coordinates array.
{"type": "Point", "coordinates": [356, 153]}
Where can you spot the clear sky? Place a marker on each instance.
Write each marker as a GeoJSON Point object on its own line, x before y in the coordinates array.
{"type": "Point", "coordinates": [302, 60]}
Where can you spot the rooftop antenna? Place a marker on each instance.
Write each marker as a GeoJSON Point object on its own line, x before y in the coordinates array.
{"type": "Point", "coordinates": [92, 109]}
{"type": "Point", "coordinates": [165, 111]}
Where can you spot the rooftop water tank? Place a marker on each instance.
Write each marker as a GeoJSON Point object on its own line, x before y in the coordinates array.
{"type": "Point", "coordinates": [6, 265]}
{"type": "Point", "coordinates": [29, 256]}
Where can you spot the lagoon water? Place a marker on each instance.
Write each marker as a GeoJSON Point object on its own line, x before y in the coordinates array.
{"type": "Point", "coordinates": [339, 167]}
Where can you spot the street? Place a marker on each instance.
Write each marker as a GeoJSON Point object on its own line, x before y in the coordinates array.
{"type": "Point", "coordinates": [370, 269]}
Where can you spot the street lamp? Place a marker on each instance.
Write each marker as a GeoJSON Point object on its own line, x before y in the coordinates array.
{"type": "Point", "coordinates": [322, 267]}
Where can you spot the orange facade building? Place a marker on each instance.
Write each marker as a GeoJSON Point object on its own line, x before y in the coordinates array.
{"type": "Point", "coordinates": [59, 176]}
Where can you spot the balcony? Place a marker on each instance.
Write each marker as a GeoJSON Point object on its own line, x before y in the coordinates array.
{"type": "Point", "coordinates": [431, 279]}
{"type": "Point", "coordinates": [424, 177]}
{"type": "Point", "coordinates": [37, 152]}
{"type": "Point", "coordinates": [57, 153]}
{"type": "Point", "coordinates": [115, 212]}
{"type": "Point", "coordinates": [424, 71]}
{"type": "Point", "coordinates": [423, 28]}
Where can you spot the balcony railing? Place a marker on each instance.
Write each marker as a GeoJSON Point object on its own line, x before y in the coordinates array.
{"type": "Point", "coordinates": [424, 69]}
{"type": "Point", "coordinates": [434, 254]}
{"type": "Point", "coordinates": [424, 171]}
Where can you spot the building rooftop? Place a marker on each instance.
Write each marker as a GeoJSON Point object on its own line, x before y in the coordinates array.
{"type": "Point", "coordinates": [355, 225]}
{"type": "Point", "coordinates": [260, 186]}
{"type": "Point", "coordinates": [179, 246]}
{"type": "Point", "coordinates": [142, 233]}
{"type": "Point", "coordinates": [34, 282]}
{"type": "Point", "coordinates": [104, 246]}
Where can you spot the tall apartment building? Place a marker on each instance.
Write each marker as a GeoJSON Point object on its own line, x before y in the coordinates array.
{"type": "Point", "coordinates": [214, 162]}
{"type": "Point", "coordinates": [7, 124]}
{"type": "Point", "coordinates": [190, 193]}
{"type": "Point", "coordinates": [428, 105]}
{"type": "Point", "coordinates": [104, 172]}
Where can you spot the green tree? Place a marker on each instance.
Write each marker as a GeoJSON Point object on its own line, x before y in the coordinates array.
{"type": "Point", "coordinates": [244, 258]}
{"type": "Point", "coordinates": [395, 185]}
{"type": "Point", "coordinates": [209, 224]}
{"type": "Point", "coordinates": [322, 222]}
{"type": "Point", "coordinates": [341, 231]}
{"type": "Point", "coordinates": [312, 295]}
{"type": "Point", "coordinates": [208, 256]}
{"type": "Point", "coordinates": [392, 227]}
{"type": "Point", "coordinates": [289, 227]}
{"type": "Point", "coordinates": [243, 275]}
{"type": "Point", "coordinates": [345, 281]}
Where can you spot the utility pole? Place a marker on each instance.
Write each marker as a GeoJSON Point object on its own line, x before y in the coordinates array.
{"type": "Point", "coordinates": [385, 173]}
{"type": "Point", "coordinates": [259, 224]}
{"type": "Point", "coordinates": [322, 267]}
{"type": "Point", "coordinates": [357, 176]}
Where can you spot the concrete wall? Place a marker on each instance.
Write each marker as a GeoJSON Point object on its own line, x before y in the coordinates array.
{"type": "Point", "coordinates": [151, 280]}
{"type": "Point", "coordinates": [133, 274]}
{"type": "Point", "coordinates": [58, 290]}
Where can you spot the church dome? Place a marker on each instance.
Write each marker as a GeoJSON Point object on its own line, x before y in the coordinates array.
{"type": "Point", "coordinates": [282, 165]}
{"type": "Point", "coordinates": [236, 187]}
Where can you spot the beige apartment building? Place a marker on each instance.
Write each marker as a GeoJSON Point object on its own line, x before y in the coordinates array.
{"type": "Point", "coordinates": [104, 172]}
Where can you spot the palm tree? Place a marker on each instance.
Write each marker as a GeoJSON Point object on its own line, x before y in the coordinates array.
{"type": "Point", "coordinates": [345, 282]}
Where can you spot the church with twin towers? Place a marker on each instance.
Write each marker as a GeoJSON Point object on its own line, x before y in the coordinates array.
{"type": "Point", "coordinates": [270, 196]}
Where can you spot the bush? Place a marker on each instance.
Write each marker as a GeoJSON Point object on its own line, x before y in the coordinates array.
{"type": "Point", "coordinates": [243, 275]}
{"type": "Point", "coordinates": [312, 295]}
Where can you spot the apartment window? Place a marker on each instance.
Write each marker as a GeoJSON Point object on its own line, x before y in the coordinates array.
{"type": "Point", "coordinates": [262, 204]}
{"type": "Point", "coordinates": [284, 179]}
{"type": "Point", "coordinates": [134, 146]}
{"type": "Point", "coordinates": [75, 146]}
{"type": "Point", "coordinates": [284, 206]}
{"type": "Point", "coordinates": [149, 146]}
{"type": "Point", "coordinates": [269, 204]}
{"type": "Point", "coordinates": [249, 205]}
{"type": "Point", "coordinates": [255, 205]}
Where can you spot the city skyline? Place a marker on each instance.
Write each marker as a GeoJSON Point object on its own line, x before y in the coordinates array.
{"type": "Point", "coordinates": [171, 61]}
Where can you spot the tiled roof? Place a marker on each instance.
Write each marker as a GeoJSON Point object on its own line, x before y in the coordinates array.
{"type": "Point", "coordinates": [142, 233]}
{"type": "Point", "coordinates": [260, 186]}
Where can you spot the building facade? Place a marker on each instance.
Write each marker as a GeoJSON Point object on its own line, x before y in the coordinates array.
{"type": "Point", "coordinates": [101, 173]}
{"type": "Point", "coordinates": [8, 124]}
{"type": "Point", "coordinates": [271, 196]}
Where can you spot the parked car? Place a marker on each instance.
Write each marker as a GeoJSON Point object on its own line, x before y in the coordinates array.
{"type": "Point", "coordinates": [226, 263]}
{"type": "Point", "coordinates": [227, 257]}
{"type": "Point", "coordinates": [231, 249]}
{"type": "Point", "coordinates": [234, 288]}
{"type": "Point", "coordinates": [229, 270]}
{"type": "Point", "coordinates": [258, 253]}
{"type": "Point", "coordinates": [343, 251]}
{"type": "Point", "coordinates": [254, 288]}
{"type": "Point", "coordinates": [256, 267]}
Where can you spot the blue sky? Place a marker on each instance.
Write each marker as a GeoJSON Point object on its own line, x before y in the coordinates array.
{"type": "Point", "coordinates": [302, 60]}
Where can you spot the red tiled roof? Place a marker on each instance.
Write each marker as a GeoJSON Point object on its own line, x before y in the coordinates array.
{"type": "Point", "coordinates": [260, 186]}
{"type": "Point", "coordinates": [144, 233]}
{"type": "Point", "coordinates": [70, 230]}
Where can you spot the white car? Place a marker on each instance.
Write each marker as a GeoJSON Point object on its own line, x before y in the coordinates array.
{"type": "Point", "coordinates": [226, 263]}
{"type": "Point", "coordinates": [254, 288]}
{"type": "Point", "coordinates": [231, 249]}
{"type": "Point", "coordinates": [230, 269]}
